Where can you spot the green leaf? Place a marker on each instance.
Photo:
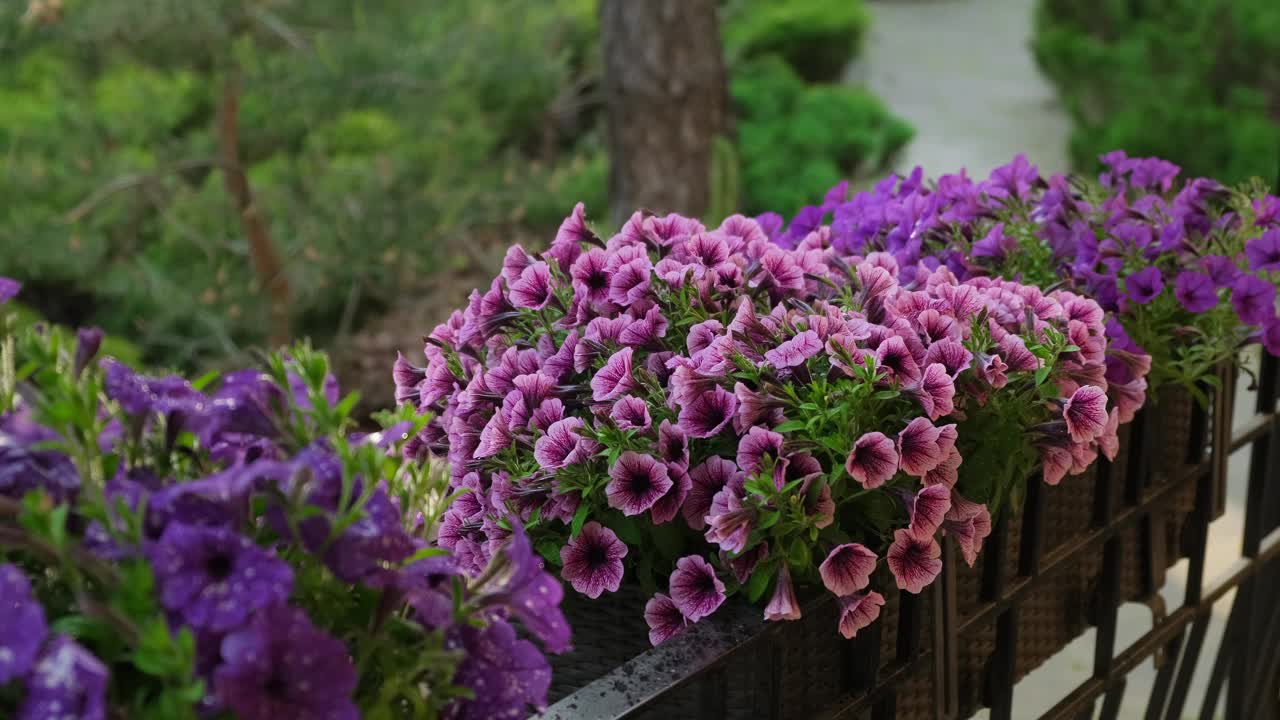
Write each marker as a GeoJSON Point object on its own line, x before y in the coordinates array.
{"type": "Point", "coordinates": [549, 550]}
{"type": "Point", "coordinates": [627, 529]}
{"type": "Point", "coordinates": [769, 519]}
{"type": "Point", "coordinates": [205, 380]}
{"type": "Point", "coordinates": [886, 394]}
{"type": "Point", "coordinates": [790, 426]}
{"type": "Point", "coordinates": [1043, 374]}
{"type": "Point", "coordinates": [668, 539]}
{"type": "Point", "coordinates": [579, 519]}
{"type": "Point", "coordinates": [759, 582]}
{"type": "Point", "coordinates": [424, 553]}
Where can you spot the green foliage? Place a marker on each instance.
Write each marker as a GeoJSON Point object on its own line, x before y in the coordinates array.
{"type": "Point", "coordinates": [1192, 81]}
{"type": "Point", "coordinates": [816, 37]}
{"type": "Point", "coordinates": [796, 141]}
{"type": "Point", "coordinates": [372, 134]}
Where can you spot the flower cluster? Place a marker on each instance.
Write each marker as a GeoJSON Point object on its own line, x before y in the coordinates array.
{"type": "Point", "coordinates": [168, 549]}
{"type": "Point", "coordinates": [750, 416]}
{"type": "Point", "coordinates": [1186, 274]}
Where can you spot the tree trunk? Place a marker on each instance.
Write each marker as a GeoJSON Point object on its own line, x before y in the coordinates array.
{"type": "Point", "coordinates": [666, 98]}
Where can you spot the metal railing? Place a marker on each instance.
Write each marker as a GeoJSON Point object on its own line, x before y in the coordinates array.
{"type": "Point", "coordinates": [1248, 661]}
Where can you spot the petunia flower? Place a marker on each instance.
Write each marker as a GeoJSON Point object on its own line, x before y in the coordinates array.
{"type": "Point", "coordinates": [729, 521]}
{"type": "Point", "coordinates": [1221, 269]}
{"type": "Point", "coordinates": [783, 604]}
{"type": "Point", "coordinates": [927, 508]}
{"type": "Point", "coordinates": [592, 561]}
{"type": "Point", "coordinates": [969, 523]}
{"type": "Point", "coordinates": [707, 478]}
{"type": "Point", "coordinates": [914, 562]}
{"type": "Point", "coordinates": [695, 589]}
{"type": "Point", "coordinates": [757, 444]}
{"type": "Point", "coordinates": [532, 289]}
{"type": "Point", "coordinates": [505, 672]}
{"type": "Point", "coordinates": [894, 355]}
{"type": "Point", "coordinates": [756, 408]}
{"type": "Point", "coordinates": [68, 682]}
{"type": "Point", "coordinates": [858, 611]}
{"type": "Point", "coordinates": [873, 460]}
{"type": "Point", "coordinates": [673, 446]}
{"type": "Point", "coordinates": [215, 578]}
{"type": "Point", "coordinates": [1109, 441]}
{"type": "Point", "coordinates": [562, 445]}
{"type": "Point", "coordinates": [794, 351]}
{"type": "Point", "coordinates": [9, 289]}
{"type": "Point", "coordinates": [664, 619]}
{"type": "Point", "coordinates": [1195, 291]}
{"type": "Point", "coordinates": [1055, 462]}
{"type": "Point", "coordinates": [951, 354]}
{"type": "Point", "coordinates": [669, 505]}
{"type": "Point", "coordinates": [919, 450]}
{"type": "Point", "coordinates": [1264, 251]}
{"type": "Point", "coordinates": [281, 665]}
{"type": "Point", "coordinates": [1144, 285]}
{"type": "Point", "coordinates": [637, 482]}
{"type": "Point", "coordinates": [847, 568]}
{"type": "Point", "coordinates": [706, 414]}
{"type": "Point", "coordinates": [630, 413]}
{"type": "Point", "coordinates": [1270, 336]}
{"type": "Point", "coordinates": [616, 378]}
{"type": "Point", "coordinates": [1254, 299]}
{"type": "Point", "coordinates": [22, 624]}
{"type": "Point", "coordinates": [1086, 413]}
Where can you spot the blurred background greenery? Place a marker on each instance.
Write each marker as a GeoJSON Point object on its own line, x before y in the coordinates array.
{"type": "Point", "coordinates": [387, 144]}
{"type": "Point", "coordinates": [1194, 81]}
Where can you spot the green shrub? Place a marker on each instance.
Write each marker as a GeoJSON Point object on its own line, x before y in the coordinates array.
{"type": "Point", "coordinates": [796, 141]}
{"type": "Point", "coordinates": [816, 37]}
{"type": "Point", "coordinates": [1193, 81]}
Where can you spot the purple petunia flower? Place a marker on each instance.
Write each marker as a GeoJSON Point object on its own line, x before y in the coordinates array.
{"type": "Point", "coordinates": [673, 447]}
{"type": "Point", "coordinates": [914, 562]}
{"type": "Point", "coordinates": [215, 577]}
{"type": "Point", "coordinates": [88, 342]}
{"type": "Point", "coordinates": [1144, 285]}
{"type": "Point", "coordinates": [66, 682]}
{"type": "Point", "coordinates": [664, 618]}
{"type": "Point", "coordinates": [637, 482]}
{"type": "Point", "coordinates": [969, 523]}
{"type": "Point", "coordinates": [592, 562]}
{"type": "Point", "coordinates": [847, 568]}
{"type": "Point", "coordinates": [706, 414]}
{"type": "Point", "coordinates": [1253, 299]}
{"type": "Point", "coordinates": [9, 289]}
{"type": "Point", "coordinates": [1270, 336]}
{"type": "Point", "coordinates": [951, 354]}
{"type": "Point", "coordinates": [138, 394]}
{"type": "Point", "coordinates": [858, 611]}
{"type": "Point", "coordinates": [795, 351]}
{"type": "Point", "coordinates": [22, 624]}
{"type": "Point", "coordinates": [507, 675]}
{"type": "Point", "coordinates": [996, 245]}
{"type": "Point", "coordinates": [1195, 291]}
{"type": "Point", "coordinates": [927, 509]}
{"type": "Point", "coordinates": [615, 378]}
{"type": "Point", "coordinates": [918, 448]}
{"type": "Point", "coordinates": [935, 391]}
{"type": "Point", "coordinates": [757, 444]}
{"type": "Point", "coordinates": [1086, 413]}
{"type": "Point", "coordinates": [1264, 252]}
{"type": "Point", "coordinates": [527, 591]}
{"type": "Point", "coordinates": [669, 505]}
{"type": "Point", "coordinates": [562, 445]}
{"type": "Point", "coordinates": [707, 479]}
{"type": "Point", "coordinates": [782, 605]}
{"type": "Point", "coordinates": [280, 665]}
{"type": "Point", "coordinates": [894, 355]}
{"type": "Point", "coordinates": [695, 589]}
{"type": "Point", "coordinates": [873, 460]}
{"type": "Point", "coordinates": [630, 413]}
{"type": "Point", "coordinates": [1222, 269]}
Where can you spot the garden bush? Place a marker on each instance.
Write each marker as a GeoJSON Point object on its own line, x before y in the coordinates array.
{"type": "Point", "coordinates": [797, 140]}
{"type": "Point", "coordinates": [816, 37]}
{"type": "Point", "coordinates": [373, 136]}
{"type": "Point", "coordinates": [1195, 82]}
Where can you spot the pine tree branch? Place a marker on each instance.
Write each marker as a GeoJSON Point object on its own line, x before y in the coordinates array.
{"type": "Point", "coordinates": [266, 261]}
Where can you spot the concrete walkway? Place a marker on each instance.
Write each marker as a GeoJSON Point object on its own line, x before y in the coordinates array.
{"type": "Point", "coordinates": [961, 72]}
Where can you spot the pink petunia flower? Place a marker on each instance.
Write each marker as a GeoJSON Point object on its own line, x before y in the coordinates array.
{"type": "Point", "coordinates": [1086, 413]}
{"type": "Point", "coordinates": [664, 619]}
{"type": "Point", "coordinates": [914, 562]}
{"type": "Point", "coordinates": [782, 605]}
{"type": "Point", "coordinates": [927, 508]}
{"type": "Point", "coordinates": [859, 611]}
{"type": "Point", "coordinates": [592, 562]}
{"type": "Point", "coordinates": [637, 482]}
{"type": "Point", "coordinates": [873, 460]}
{"type": "Point", "coordinates": [695, 589]}
{"type": "Point", "coordinates": [847, 568]}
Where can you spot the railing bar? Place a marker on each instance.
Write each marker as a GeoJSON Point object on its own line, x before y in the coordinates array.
{"type": "Point", "coordinates": [1032, 548]}
{"type": "Point", "coordinates": [713, 699]}
{"type": "Point", "coordinates": [1253, 428]}
{"type": "Point", "coordinates": [1146, 645]}
{"type": "Point", "coordinates": [1260, 681]}
{"type": "Point", "coordinates": [1187, 665]}
{"type": "Point", "coordinates": [1111, 704]}
{"type": "Point", "coordinates": [1164, 677]}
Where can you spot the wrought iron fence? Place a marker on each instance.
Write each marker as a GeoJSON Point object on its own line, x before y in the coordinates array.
{"type": "Point", "coordinates": [929, 629]}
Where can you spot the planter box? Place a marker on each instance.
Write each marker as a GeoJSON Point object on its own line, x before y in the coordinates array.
{"type": "Point", "coordinates": [1070, 554]}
